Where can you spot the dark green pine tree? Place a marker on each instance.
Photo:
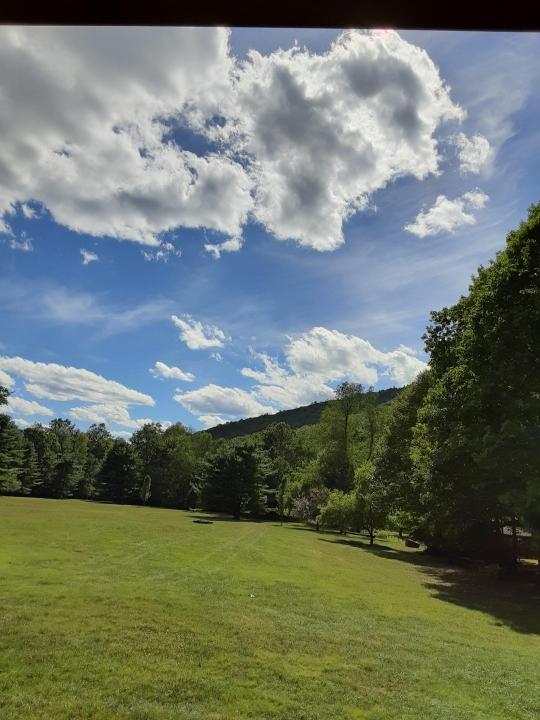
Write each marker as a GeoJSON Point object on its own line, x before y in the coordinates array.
{"type": "Point", "coordinates": [29, 476]}
{"type": "Point", "coordinates": [119, 477]}
{"type": "Point", "coordinates": [233, 482]}
{"type": "Point", "coordinates": [47, 448]}
{"type": "Point", "coordinates": [11, 456]}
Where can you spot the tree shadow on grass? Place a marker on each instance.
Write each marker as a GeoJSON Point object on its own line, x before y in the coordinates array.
{"type": "Point", "coordinates": [511, 601]}
{"type": "Point", "coordinates": [227, 518]}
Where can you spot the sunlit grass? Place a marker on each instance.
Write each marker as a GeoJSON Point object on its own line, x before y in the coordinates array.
{"type": "Point", "coordinates": [113, 611]}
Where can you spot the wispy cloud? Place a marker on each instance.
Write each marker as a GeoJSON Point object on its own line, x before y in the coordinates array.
{"type": "Point", "coordinates": [61, 305]}
{"type": "Point", "coordinates": [160, 370]}
{"type": "Point", "coordinates": [24, 244]}
{"type": "Point", "coordinates": [165, 250]}
{"type": "Point", "coordinates": [88, 256]}
{"type": "Point", "coordinates": [198, 336]}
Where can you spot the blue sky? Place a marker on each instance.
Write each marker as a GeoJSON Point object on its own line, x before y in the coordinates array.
{"type": "Point", "coordinates": [195, 232]}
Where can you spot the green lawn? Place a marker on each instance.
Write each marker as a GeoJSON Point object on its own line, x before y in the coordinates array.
{"type": "Point", "coordinates": [113, 611]}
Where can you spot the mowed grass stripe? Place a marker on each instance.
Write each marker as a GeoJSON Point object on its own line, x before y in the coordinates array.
{"type": "Point", "coordinates": [127, 612]}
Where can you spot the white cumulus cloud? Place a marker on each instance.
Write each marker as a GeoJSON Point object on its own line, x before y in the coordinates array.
{"type": "Point", "coordinates": [88, 256]}
{"type": "Point", "coordinates": [211, 420]}
{"type": "Point", "coordinates": [312, 361]}
{"type": "Point", "coordinates": [231, 245]}
{"type": "Point", "coordinates": [472, 152]}
{"type": "Point", "coordinates": [27, 407]}
{"type": "Point", "coordinates": [198, 336]}
{"type": "Point", "coordinates": [87, 117]}
{"type": "Point", "coordinates": [105, 413]}
{"type": "Point", "coordinates": [58, 382]}
{"type": "Point", "coordinates": [6, 380]}
{"type": "Point", "coordinates": [164, 371]}
{"type": "Point", "coordinates": [323, 356]}
{"type": "Point", "coordinates": [21, 422]}
{"type": "Point", "coordinates": [448, 215]}
{"type": "Point", "coordinates": [297, 141]}
{"type": "Point", "coordinates": [325, 131]}
{"type": "Point", "coordinates": [215, 400]}
{"type": "Point", "coordinates": [121, 434]}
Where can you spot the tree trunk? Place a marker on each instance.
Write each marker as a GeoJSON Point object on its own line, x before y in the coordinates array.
{"type": "Point", "coordinates": [514, 536]}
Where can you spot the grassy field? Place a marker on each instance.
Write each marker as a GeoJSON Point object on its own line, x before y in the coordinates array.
{"type": "Point", "coordinates": [127, 612]}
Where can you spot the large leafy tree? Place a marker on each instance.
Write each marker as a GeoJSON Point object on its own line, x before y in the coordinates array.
{"type": "Point", "coordinates": [71, 453]}
{"type": "Point", "coordinates": [152, 457]}
{"type": "Point", "coordinates": [181, 458]}
{"type": "Point", "coordinates": [336, 428]}
{"type": "Point", "coordinates": [476, 440]}
{"type": "Point", "coordinates": [279, 444]}
{"type": "Point", "coordinates": [99, 442]}
{"type": "Point", "coordinates": [394, 472]}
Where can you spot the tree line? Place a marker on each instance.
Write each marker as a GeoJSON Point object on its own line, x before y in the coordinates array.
{"type": "Point", "coordinates": [451, 460]}
{"type": "Point", "coordinates": [175, 467]}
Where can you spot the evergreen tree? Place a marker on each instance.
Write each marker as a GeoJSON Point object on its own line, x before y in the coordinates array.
{"type": "Point", "coordinates": [29, 476]}
{"type": "Point", "coordinates": [47, 449]}
{"type": "Point", "coordinates": [119, 477]}
{"type": "Point", "coordinates": [11, 456]}
{"type": "Point", "coordinates": [233, 482]}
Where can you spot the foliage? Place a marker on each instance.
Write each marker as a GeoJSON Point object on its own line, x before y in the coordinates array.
{"type": "Point", "coordinates": [339, 511]}
{"type": "Point", "coordinates": [232, 482]}
{"type": "Point", "coordinates": [11, 456]}
{"type": "Point", "coordinates": [337, 431]}
{"type": "Point", "coordinates": [70, 448]}
{"type": "Point", "coordinates": [118, 476]}
{"type": "Point", "coordinates": [477, 430]}
{"type": "Point", "coordinates": [296, 418]}
{"type": "Point", "coordinates": [4, 395]}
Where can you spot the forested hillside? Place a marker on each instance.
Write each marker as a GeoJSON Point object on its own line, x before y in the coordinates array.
{"type": "Point", "coordinates": [295, 418]}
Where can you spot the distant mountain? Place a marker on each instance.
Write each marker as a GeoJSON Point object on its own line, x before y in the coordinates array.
{"type": "Point", "coordinates": [296, 418]}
